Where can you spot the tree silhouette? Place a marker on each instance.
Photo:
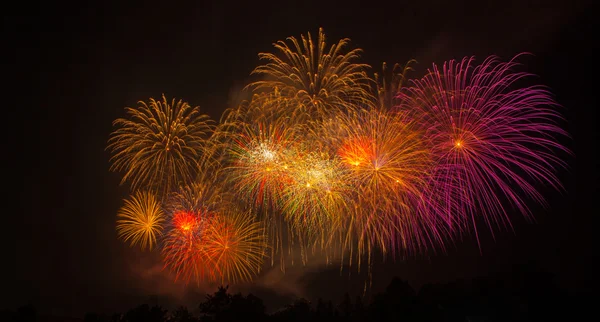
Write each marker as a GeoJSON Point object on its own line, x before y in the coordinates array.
{"type": "Point", "coordinates": [345, 308]}
{"type": "Point", "coordinates": [324, 311]}
{"type": "Point", "coordinates": [215, 304]}
{"type": "Point", "coordinates": [95, 317]}
{"type": "Point", "coordinates": [223, 306]}
{"type": "Point", "coordinates": [145, 313]}
{"type": "Point", "coordinates": [522, 295]}
{"type": "Point", "coordinates": [398, 300]}
{"type": "Point", "coordinates": [182, 315]}
{"type": "Point", "coordinates": [297, 311]}
{"type": "Point", "coordinates": [27, 313]}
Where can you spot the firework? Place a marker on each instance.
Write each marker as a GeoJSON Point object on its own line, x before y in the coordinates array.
{"type": "Point", "coordinates": [492, 141]}
{"type": "Point", "coordinates": [208, 240]}
{"type": "Point", "coordinates": [320, 80]}
{"type": "Point", "coordinates": [159, 146]}
{"type": "Point", "coordinates": [192, 209]}
{"type": "Point", "coordinates": [387, 166]}
{"type": "Point", "coordinates": [316, 198]}
{"type": "Point", "coordinates": [204, 195]}
{"type": "Point", "coordinates": [257, 153]}
{"type": "Point", "coordinates": [184, 243]}
{"type": "Point", "coordinates": [258, 138]}
{"type": "Point", "coordinates": [235, 246]}
{"type": "Point", "coordinates": [141, 220]}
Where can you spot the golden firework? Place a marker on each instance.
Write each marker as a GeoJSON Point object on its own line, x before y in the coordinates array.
{"type": "Point", "coordinates": [316, 198]}
{"type": "Point", "coordinates": [318, 79]}
{"type": "Point", "coordinates": [160, 145]}
{"type": "Point", "coordinates": [141, 220]}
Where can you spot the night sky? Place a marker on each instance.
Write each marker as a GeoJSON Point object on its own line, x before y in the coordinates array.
{"type": "Point", "coordinates": [72, 70]}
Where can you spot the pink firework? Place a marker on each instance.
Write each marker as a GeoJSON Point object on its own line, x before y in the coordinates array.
{"type": "Point", "coordinates": [494, 143]}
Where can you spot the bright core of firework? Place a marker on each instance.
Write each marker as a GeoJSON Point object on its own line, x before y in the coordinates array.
{"type": "Point", "coordinates": [263, 153]}
{"type": "Point", "coordinates": [185, 220]}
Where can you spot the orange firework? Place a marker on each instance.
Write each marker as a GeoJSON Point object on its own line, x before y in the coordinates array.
{"type": "Point", "coordinates": [192, 208]}
{"type": "Point", "coordinates": [235, 246]}
{"type": "Point", "coordinates": [388, 84]}
{"type": "Point", "coordinates": [387, 166]}
{"type": "Point", "coordinates": [208, 240]}
{"type": "Point", "coordinates": [183, 245]}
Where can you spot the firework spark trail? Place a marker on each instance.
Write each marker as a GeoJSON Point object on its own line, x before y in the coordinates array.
{"type": "Point", "coordinates": [160, 144]}
{"type": "Point", "coordinates": [492, 141]}
{"type": "Point", "coordinates": [388, 84]}
{"type": "Point", "coordinates": [141, 220]}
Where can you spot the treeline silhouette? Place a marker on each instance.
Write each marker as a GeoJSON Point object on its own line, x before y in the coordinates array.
{"type": "Point", "coordinates": [528, 297]}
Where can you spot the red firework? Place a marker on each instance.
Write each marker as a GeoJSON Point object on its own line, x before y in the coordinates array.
{"type": "Point", "coordinates": [183, 247]}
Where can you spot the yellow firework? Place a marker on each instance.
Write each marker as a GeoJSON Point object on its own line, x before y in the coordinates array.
{"type": "Point", "coordinates": [140, 220]}
{"type": "Point", "coordinates": [318, 78]}
{"type": "Point", "coordinates": [316, 197]}
{"type": "Point", "coordinates": [235, 246]}
{"type": "Point", "coordinates": [160, 144]}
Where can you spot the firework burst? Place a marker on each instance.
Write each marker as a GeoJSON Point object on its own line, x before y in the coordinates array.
{"type": "Point", "coordinates": [159, 146]}
{"type": "Point", "coordinates": [318, 79]}
{"type": "Point", "coordinates": [387, 166]}
{"type": "Point", "coordinates": [492, 140]}
{"type": "Point", "coordinates": [208, 240]}
{"type": "Point", "coordinates": [257, 154]}
{"type": "Point", "coordinates": [192, 209]}
{"type": "Point", "coordinates": [388, 84]}
{"type": "Point", "coordinates": [184, 245]}
{"type": "Point", "coordinates": [235, 246]}
{"type": "Point", "coordinates": [140, 220]}
{"type": "Point", "coordinates": [316, 198]}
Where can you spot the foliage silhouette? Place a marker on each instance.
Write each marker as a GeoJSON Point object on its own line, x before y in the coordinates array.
{"type": "Point", "coordinates": [525, 295]}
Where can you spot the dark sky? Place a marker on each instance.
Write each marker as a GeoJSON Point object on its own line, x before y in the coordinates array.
{"type": "Point", "coordinates": [72, 69]}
